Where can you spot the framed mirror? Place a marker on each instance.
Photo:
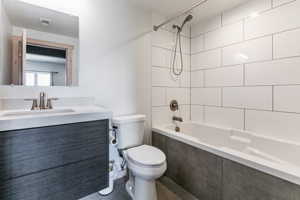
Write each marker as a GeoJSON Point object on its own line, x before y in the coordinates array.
{"type": "Point", "coordinates": [39, 46]}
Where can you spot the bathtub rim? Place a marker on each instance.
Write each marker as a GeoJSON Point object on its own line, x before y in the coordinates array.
{"type": "Point", "coordinates": [288, 173]}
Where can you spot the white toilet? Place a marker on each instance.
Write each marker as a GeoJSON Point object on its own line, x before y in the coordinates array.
{"type": "Point", "coordinates": [145, 163]}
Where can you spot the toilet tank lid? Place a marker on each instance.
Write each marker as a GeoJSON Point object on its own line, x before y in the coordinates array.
{"type": "Point", "coordinates": [128, 119]}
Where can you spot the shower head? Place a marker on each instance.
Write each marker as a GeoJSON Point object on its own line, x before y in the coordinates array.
{"type": "Point", "coordinates": [187, 19]}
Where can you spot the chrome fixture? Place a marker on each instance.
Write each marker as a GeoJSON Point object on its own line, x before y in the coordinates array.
{"type": "Point", "coordinates": [42, 101]}
{"type": "Point", "coordinates": [178, 43]}
{"type": "Point", "coordinates": [184, 12]}
{"type": "Point", "coordinates": [49, 102]}
{"type": "Point", "coordinates": [42, 105]}
{"type": "Point", "coordinates": [187, 19]}
{"type": "Point", "coordinates": [174, 105]}
{"type": "Point", "coordinates": [177, 119]}
{"type": "Point", "coordinates": [34, 104]}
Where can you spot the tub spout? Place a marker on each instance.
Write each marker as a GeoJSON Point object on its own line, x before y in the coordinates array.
{"type": "Point", "coordinates": [178, 119]}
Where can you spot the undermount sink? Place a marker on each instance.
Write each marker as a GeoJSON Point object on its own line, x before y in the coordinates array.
{"type": "Point", "coordinates": [35, 112]}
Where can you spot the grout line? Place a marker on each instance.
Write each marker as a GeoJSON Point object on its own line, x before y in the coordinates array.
{"type": "Point", "coordinates": [217, 106]}
{"type": "Point", "coordinates": [204, 113]}
{"type": "Point", "coordinates": [167, 49]}
{"type": "Point", "coordinates": [246, 86]}
{"type": "Point", "coordinates": [273, 98]}
{"type": "Point", "coordinates": [272, 4]}
{"type": "Point", "coordinates": [244, 75]}
{"type": "Point", "coordinates": [222, 97]}
{"type": "Point", "coordinates": [244, 18]}
{"type": "Point", "coordinates": [222, 16]}
{"type": "Point", "coordinates": [247, 40]}
{"type": "Point", "coordinates": [213, 68]}
{"type": "Point", "coordinates": [169, 87]}
{"type": "Point", "coordinates": [190, 73]}
{"type": "Point", "coordinates": [204, 44]}
{"type": "Point", "coordinates": [204, 79]}
{"type": "Point", "coordinates": [249, 109]}
{"type": "Point", "coordinates": [222, 57]}
{"type": "Point", "coordinates": [164, 67]}
{"type": "Point", "coordinates": [166, 96]}
{"type": "Point", "coordinates": [244, 32]}
{"type": "Point", "coordinates": [272, 46]}
{"type": "Point", "coordinates": [248, 63]}
{"type": "Point", "coordinates": [244, 118]}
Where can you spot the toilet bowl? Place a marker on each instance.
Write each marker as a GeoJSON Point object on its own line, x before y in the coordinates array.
{"type": "Point", "coordinates": [145, 164]}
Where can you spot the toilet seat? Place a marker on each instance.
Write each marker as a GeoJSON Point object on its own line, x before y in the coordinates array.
{"type": "Point", "coordinates": [146, 155]}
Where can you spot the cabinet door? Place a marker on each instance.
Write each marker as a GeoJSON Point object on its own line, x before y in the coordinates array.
{"type": "Point", "coordinates": [69, 182]}
{"type": "Point", "coordinates": [54, 157]}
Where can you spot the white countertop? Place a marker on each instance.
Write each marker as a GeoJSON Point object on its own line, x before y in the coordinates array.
{"type": "Point", "coordinates": [78, 114]}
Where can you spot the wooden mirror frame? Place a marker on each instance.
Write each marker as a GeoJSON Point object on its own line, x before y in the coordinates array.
{"type": "Point", "coordinates": [18, 58]}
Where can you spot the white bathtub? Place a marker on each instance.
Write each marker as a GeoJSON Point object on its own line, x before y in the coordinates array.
{"type": "Point", "coordinates": [276, 157]}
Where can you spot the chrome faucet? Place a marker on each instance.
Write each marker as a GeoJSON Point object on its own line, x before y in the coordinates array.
{"type": "Point", "coordinates": [42, 102]}
{"type": "Point", "coordinates": [178, 119]}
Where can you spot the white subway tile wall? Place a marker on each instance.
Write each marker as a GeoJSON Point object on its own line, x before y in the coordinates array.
{"type": "Point", "coordinates": [225, 117]}
{"type": "Point", "coordinates": [277, 72]}
{"type": "Point", "coordinates": [279, 19]}
{"type": "Point", "coordinates": [226, 76]}
{"type": "Point", "coordinates": [248, 97]}
{"type": "Point", "coordinates": [249, 9]}
{"type": "Point", "coordinates": [225, 35]}
{"type": "Point", "coordinates": [206, 96]}
{"type": "Point", "coordinates": [286, 44]}
{"type": "Point", "coordinates": [242, 70]}
{"type": "Point", "coordinates": [247, 73]}
{"type": "Point", "coordinates": [197, 113]}
{"type": "Point", "coordinates": [207, 59]}
{"type": "Point", "coordinates": [248, 51]}
{"type": "Point", "coordinates": [205, 26]}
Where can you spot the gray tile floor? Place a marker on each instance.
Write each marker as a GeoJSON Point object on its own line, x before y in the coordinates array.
{"type": "Point", "coordinates": [166, 189]}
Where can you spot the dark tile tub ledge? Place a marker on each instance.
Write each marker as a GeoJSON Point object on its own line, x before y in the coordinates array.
{"type": "Point", "coordinates": [211, 177]}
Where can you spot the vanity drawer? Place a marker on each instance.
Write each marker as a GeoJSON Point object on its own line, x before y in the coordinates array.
{"type": "Point", "coordinates": [69, 182]}
{"type": "Point", "coordinates": [29, 151]}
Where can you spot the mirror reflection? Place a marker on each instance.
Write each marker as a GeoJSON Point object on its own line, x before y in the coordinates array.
{"type": "Point", "coordinates": [39, 46]}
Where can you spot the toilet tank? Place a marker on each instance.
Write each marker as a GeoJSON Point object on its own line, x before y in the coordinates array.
{"type": "Point", "coordinates": [130, 130]}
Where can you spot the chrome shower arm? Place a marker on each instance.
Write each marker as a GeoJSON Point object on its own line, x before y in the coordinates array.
{"type": "Point", "coordinates": [187, 11]}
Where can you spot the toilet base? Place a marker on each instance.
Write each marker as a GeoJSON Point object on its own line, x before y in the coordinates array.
{"type": "Point", "coordinates": [142, 189]}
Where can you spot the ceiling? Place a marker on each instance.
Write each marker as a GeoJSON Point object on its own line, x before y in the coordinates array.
{"type": "Point", "coordinates": [172, 7]}
{"type": "Point", "coordinates": [28, 16]}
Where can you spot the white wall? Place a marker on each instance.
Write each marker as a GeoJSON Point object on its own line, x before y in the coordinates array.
{"type": "Point", "coordinates": [113, 51]}
{"type": "Point", "coordinates": [5, 50]}
{"type": "Point", "coordinates": [246, 69]}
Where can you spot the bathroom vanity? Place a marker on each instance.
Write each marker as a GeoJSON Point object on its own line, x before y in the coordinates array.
{"type": "Point", "coordinates": [61, 154]}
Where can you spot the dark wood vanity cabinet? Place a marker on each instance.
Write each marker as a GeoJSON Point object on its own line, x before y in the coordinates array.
{"type": "Point", "coordinates": [64, 162]}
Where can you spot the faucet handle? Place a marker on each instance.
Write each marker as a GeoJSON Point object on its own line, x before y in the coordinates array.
{"type": "Point", "coordinates": [49, 102]}
{"type": "Point", "coordinates": [34, 103]}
